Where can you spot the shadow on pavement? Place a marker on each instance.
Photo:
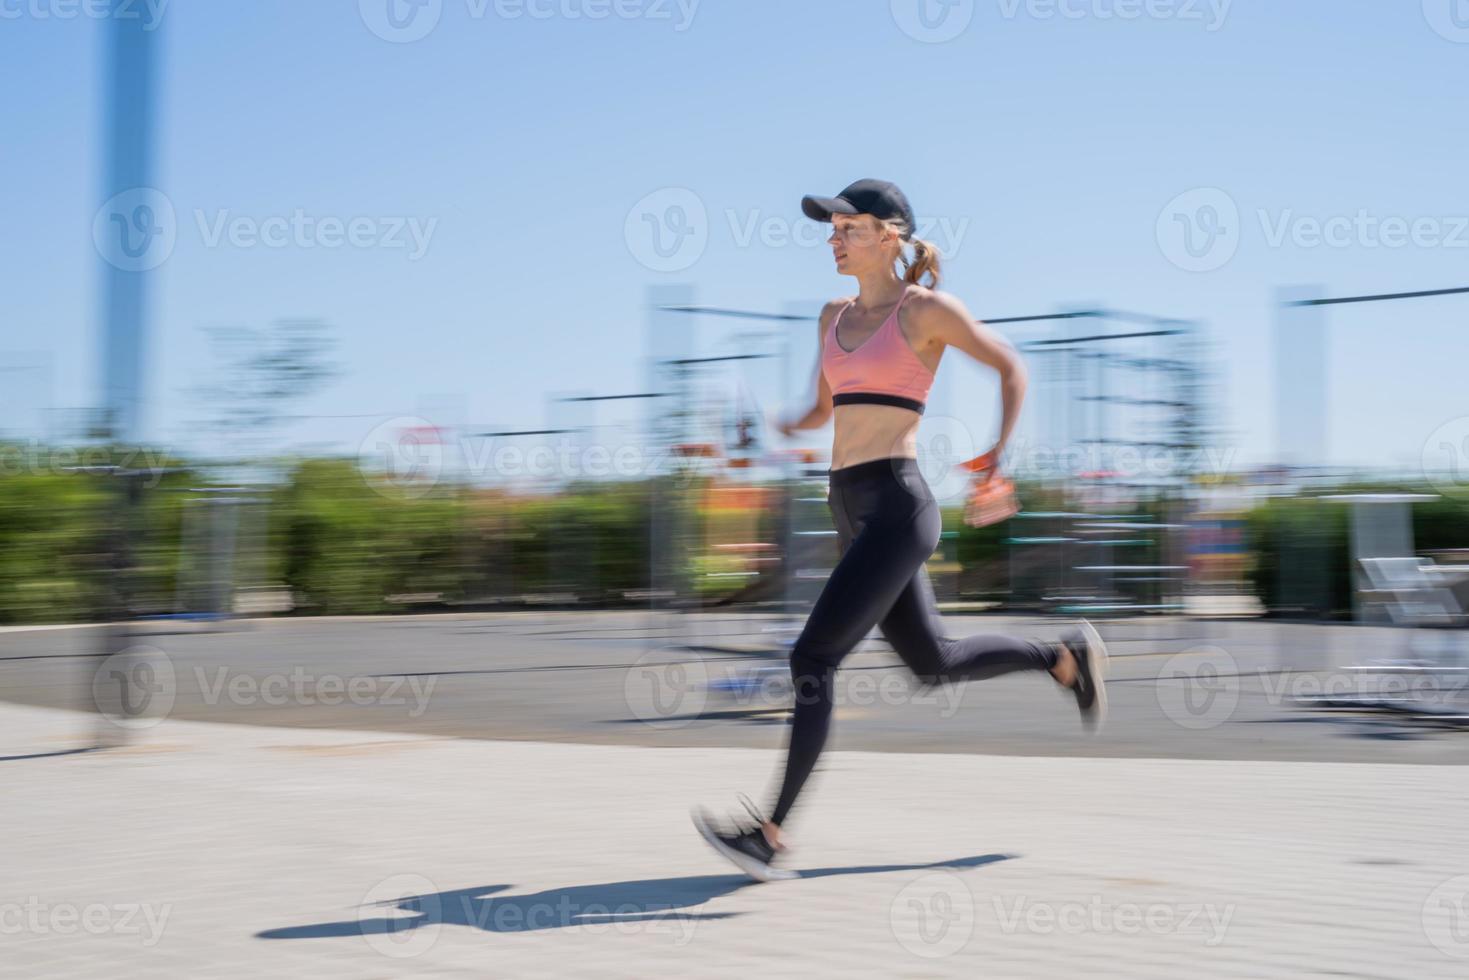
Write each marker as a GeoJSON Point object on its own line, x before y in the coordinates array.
{"type": "Point", "coordinates": [47, 755]}
{"type": "Point", "coordinates": [616, 902]}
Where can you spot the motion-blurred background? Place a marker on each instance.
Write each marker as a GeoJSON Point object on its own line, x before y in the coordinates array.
{"type": "Point", "coordinates": [405, 305]}
{"type": "Point", "coordinates": [416, 366]}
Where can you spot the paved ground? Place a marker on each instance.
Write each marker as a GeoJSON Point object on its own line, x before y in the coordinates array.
{"type": "Point", "coordinates": [1181, 689]}
{"type": "Point", "coordinates": [222, 850]}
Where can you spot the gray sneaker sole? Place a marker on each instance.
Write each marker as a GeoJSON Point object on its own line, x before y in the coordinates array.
{"type": "Point", "coordinates": [1096, 659]}
{"type": "Point", "coordinates": [758, 870]}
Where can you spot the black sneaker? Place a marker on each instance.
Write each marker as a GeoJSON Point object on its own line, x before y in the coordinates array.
{"type": "Point", "coordinates": [744, 844]}
{"type": "Point", "coordinates": [1090, 686]}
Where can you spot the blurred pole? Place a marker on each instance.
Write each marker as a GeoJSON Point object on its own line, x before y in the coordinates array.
{"type": "Point", "coordinates": [669, 337]}
{"type": "Point", "coordinates": [809, 551]}
{"type": "Point", "coordinates": [129, 94]}
{"type": "Point", "coordinates": [570, 556]}
{"type": "Point", "coordinates": [1300, 378]}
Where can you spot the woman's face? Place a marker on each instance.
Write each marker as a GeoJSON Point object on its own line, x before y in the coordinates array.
{"type": "Point", "coordinates": [860, 244]}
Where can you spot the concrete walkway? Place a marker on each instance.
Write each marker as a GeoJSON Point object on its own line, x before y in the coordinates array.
{"type": "Point", "coordinates": [216, 850]}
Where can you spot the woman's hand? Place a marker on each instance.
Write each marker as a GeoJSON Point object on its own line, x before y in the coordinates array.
{"type": "Point", "coordinates": [991, 496]}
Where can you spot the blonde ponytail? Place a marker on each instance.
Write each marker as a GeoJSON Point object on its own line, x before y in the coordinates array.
{"type": "Point", "coordinates": [925, 262]}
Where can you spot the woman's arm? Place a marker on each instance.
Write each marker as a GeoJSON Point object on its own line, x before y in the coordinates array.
{"type": "Point", "coordinates": [944, 319]}
{"type": "Point", "coordinates": [818, 414]}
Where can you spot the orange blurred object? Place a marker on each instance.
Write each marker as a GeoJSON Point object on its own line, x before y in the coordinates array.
{"type": "Point", "coordinates": [979, 464]}
{"type": "Point", "coordinates": [738, 498]}
{"type": "Point", "coordinates": [991, 497]}
{"type": "Point", "coordinates": [799, 455]}
{"type": "Point", "coordinates": [705, 449]}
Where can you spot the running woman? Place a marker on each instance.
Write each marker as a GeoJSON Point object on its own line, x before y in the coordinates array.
{"type": "Point", "coordinates": [879, 351]}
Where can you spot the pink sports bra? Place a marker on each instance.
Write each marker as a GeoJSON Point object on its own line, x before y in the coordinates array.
{"type": "Point", "coordinates": [883, 370]}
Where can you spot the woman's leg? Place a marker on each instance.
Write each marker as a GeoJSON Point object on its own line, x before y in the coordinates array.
{"type": "Point", "coordinates": [875, 567]}
{"type": "Point", "coordinates": [916, 631]}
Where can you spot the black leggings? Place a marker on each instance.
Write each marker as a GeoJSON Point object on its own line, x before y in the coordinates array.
{"type": "Point", "coordinates": [888, 524]}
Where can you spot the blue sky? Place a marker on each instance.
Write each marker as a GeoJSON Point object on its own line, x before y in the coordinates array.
{"type": "Point", "coordinates": [520, 144]}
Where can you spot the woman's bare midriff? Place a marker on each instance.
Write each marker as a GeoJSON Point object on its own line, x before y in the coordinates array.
{"type": "Point", "coordinates": [867, 432]}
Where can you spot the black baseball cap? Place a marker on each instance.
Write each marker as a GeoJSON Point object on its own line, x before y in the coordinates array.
{"type": "Point", "coordinates": [879, 198]}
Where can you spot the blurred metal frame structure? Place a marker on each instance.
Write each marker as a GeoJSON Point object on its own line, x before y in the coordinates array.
{"type": "Point", "coordinates": [792, 473]}
{"type": "Point", "coordinates": [673, 527]}
{"type": "Point", "coordinates": [1292, 304]}
{"type": "Point", "coordinates": [1112, 587]}
{"type": "Point", "coordinates": [571, 571]}
{"type": "Point", "coordinates": [1301, 402]}
{"type": "Point", "coordinates": [1301, 394]}
{"type": "Point", "coordinates": [1089, 389]}
{"type": "Point", "coordinates": [213, 521]}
